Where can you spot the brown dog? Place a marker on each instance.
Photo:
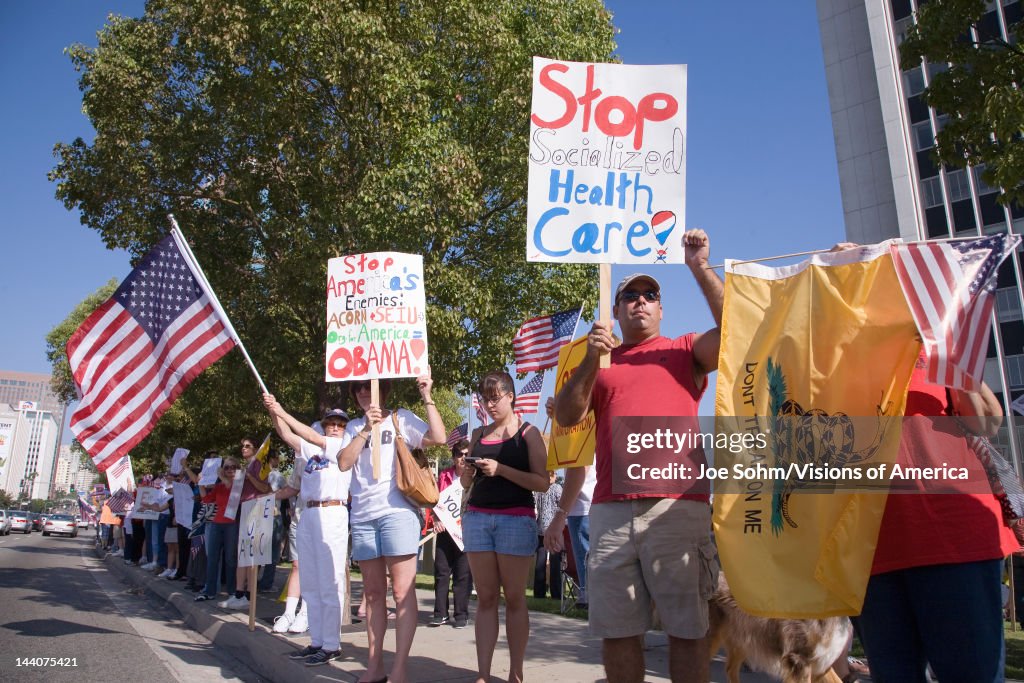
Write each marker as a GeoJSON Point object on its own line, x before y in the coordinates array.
{"type": "Point", "coordinates": [795, 650]}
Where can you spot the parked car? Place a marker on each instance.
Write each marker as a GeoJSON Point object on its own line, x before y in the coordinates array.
{"type": "Point", "coordinates": [5, 523]}
{"type": "Point", "coordinates": [82, 523]}
{"type": "Point", "coordinates": [61, 524]}
{"type": "Point", "coordinates": [37, 521]}
{"type": "Point", "coordinates": [21, 521]}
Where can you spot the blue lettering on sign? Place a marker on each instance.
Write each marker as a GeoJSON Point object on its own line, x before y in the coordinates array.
{"type": "Point", "coordinates": [618, 190]}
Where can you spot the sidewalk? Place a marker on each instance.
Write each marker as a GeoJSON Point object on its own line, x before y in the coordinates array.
{"type": "Point", "coordinates": [560, 648]}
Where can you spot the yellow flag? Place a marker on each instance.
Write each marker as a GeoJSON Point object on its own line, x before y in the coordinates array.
{"type": "Point", "coordinates": [263, 455]}
{"type": "Point", "coordinates": [816, 358]}
{"type": "Point", "coordinates": [571, 446]}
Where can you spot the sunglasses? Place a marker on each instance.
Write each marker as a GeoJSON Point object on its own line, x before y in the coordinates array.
{"type": "Point", "coordinates": [461, 454]}
{"type": "Point", "coordinates": [247, 445]}
{"type": "Point", "coordinates": [360, 386]}
{"type": "Point", "coordinates": [339, 425]}
{"type": "Point", "coordinates": [229, 468]}
{"type": "Point", "coordinates": [650, 295]}
{"type": "Point", "coordinates": [491, 400]}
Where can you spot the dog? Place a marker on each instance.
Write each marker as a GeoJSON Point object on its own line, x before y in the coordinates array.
{"type": "Point", "coordinates": [795, 650]}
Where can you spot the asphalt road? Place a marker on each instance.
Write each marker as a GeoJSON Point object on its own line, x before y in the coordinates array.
{"type": "Point", "coordinates": [62, 615]}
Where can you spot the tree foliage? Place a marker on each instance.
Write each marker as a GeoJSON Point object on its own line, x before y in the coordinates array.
{"type": "Point", "coordinates": [980, 90]}
{"type": "Point", "coordinates": [283, 133]}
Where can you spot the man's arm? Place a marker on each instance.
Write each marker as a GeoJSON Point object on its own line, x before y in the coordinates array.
{"type": "Point", "coordinates": [697, 249]}
{"type": "Point", "coordinates": [979, 411]}
{"type": "Point", "coordinates": [574, 478]}
{"type": "Point", "coordinates": [573, 402]}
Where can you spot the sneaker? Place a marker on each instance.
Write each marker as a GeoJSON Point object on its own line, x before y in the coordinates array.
{"type": "Point", "coordinates": [438, 621]}
{"type": "Point", "coordinates": [202, 597]}
{"type": "Point", "coordinates": [237, 603]}
{"type": "Point", "coordinates": [167, 573]}
{"type": "Point", "coordinates": [322, 657]}
{"type": "Point", "coordinates": [304, 652]}
{"type": "Point", "coordinates": [461, 623]}
{"type": "Point", "coordinates": [282, 623]}
{"type": "Point", "coordinates": [300, 624]}
{"type": "Point", "coordinates": [149, 566]}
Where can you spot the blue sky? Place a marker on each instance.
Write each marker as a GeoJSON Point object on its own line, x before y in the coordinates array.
{"type": "Point", "coordinates": [761, 169]}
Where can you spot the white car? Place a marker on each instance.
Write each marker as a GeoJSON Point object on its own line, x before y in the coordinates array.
{"type": "Point", "coordinates": [82, 523]}
{"type": "Point", "coordinates": [60, 524]}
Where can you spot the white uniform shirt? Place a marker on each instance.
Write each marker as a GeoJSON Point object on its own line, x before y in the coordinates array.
{"type": "Point", "coordinates": [320, 477]}
{"type": "Point", "coordinates": [373, 498]}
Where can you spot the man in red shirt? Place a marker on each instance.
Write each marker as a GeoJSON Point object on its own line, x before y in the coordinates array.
{"type": "Point", "coordinates": [647, 547]}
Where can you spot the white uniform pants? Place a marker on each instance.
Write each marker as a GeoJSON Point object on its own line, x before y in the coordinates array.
{"type": "Point", "coordinates": [323, 545]}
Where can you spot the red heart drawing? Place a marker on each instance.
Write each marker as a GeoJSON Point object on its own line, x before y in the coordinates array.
{"type": "Point", "coordinates": [418, 346]}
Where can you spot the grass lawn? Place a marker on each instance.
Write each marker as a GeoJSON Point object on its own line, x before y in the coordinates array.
{"type": "Point", "coordinates": [1014, 652]}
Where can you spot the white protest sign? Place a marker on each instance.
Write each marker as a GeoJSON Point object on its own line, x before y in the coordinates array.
{"type": "Point", "coordinates": [607, 169]}
{"type": "Point", "coordinates": [376, 316]}
{"type": "Point", "coordinates": [449, 511]}
{"type": "Point", "coordinates": [121, 475]}
{"type": "Point", "coordinates": [256, 534]}
{"type": "Point", "coordinates": [146, 495]}
{"type": "Point", "coordinates": [183, 503]}
{"type": "Point", "coordinates": [208, 477]}
{"type": "Point", "coordinates": [179, 456]}
{"type": "Point", "coordinates": [236, 494]}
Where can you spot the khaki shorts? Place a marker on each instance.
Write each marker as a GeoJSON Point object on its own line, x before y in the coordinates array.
{"type": "Point", "coordinates": [647, 554]}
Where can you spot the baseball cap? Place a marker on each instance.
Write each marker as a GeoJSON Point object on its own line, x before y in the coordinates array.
{"type": "Point", "coordinates": [335, 413]}
{"type": "Point", "coordinates": [630, 279]}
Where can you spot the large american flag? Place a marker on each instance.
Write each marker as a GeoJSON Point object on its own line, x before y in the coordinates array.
{"type": "Point", "coordinates": [481, 414]}
{"type": "Point", "coordinates": [537, 342]}
{"type": "Point", "coordinates": [136, 353]}
{"type": "Point", "coordinates": [457, 434]}
{"type": "Point", "coordinates": [949, 287]}
{"type": "Point", "coordinates": [528, 399]}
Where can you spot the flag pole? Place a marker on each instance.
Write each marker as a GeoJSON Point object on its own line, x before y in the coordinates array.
{"type": "Point", "coordinates": [186, 251]}
{"type": "Point", "coordinates": [823, 251]}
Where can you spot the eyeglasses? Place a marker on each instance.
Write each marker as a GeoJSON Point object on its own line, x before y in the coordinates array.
{"type": "Point", "coordinates": [247, 445]}
{"type": "Point", "coordinates": [337, 425]}
{"type": "Point", "coordinates": [491, 400]}
{"type": "Point", "coordinates": [228, 468]}
{"type": "Point", "coordinates": [650, 295]}
{"type": "Point", "coordinates": [461, 454]}
{"type": "Point", "coordinates": [360, 386]}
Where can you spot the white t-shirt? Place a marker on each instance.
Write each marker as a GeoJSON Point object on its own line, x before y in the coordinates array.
{"type": "Point", "coordinates": [582, 505]}
{"type": "Point", "coordinates": [321, 478]}
{"type": "Point", "coordinates": [372, 499]}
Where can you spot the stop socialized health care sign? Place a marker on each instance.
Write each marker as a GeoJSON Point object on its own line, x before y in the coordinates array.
{"type": "Point", "coordinates": [376, 317]}
{"type": "Point", "coordinates": [607, 163]}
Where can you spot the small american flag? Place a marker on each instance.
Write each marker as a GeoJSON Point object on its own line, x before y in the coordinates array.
{"type": "Point", "coordinates": [85, 510]}
{"type": "Point", "coordinates": [136, 353]}
{"type": "Point", "coordinates": [457, 434]}
{"type": "Point", "coordinates": [481, 414]}
{"type": "Point", "coordinates": [537, 342]}
{"type": "Point", "coordinates": [528, 399]}
{"type": "Point", "coordinates": [949, 286]}
{"type": "Point", "coordinates": [120, 501]}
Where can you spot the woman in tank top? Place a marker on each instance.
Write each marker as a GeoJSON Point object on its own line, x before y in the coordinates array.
{"type": "Point", "coordinates": [500, 527]}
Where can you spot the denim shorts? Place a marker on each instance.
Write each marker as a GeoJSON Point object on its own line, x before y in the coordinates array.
{"type": "Point", "coordinates": [395, 534]}
{"type": "Point", "coordinates": [483, 532]}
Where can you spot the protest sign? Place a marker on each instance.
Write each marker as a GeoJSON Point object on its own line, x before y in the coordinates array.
{"type": "Point", "coordinates": [121, 475]}
{"type": "Point", "coordinates": [571, 446]}
{"type": "Point", "coordinates": [607, 167]}
{"type": "Point", "coordinates": [236, 494]}
{"type": "Point", "coordinates": [376, 317]}
{"type": "Point", "coordinates": [256, 533]}
{"type": "Point", "coordinates": [183, 503]}
{"type": "Point", "coordinates": [449, 511]}
{"type": "Point", "coordinates": [208, 477]}
{"type": "Point", "coordinates": [179, 456]}
{"type": "Point", "coordinates": [146, 495]}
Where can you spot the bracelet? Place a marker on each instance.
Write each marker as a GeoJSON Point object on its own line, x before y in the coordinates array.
{"type": "Point", "coordinates": [362, 434]}
{"type": "Point", "coordinates": [431, 403]}
{"type": "Point", "coordinates": [562, 511]}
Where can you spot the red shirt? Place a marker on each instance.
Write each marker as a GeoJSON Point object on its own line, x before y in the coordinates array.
{"type": "Point", "coordinates": [219, 494]}
{"type": "Point", "coordinates": [654, 377]}
{"type": "Point", "coordinates": [921, 529]}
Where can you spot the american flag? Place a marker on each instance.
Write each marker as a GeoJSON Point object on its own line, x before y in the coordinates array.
{"type": "Point", "coordinates": [120, 501]}
{"type": "Point", "coordinates": [537, 342]}
{"type": "Point", "coordinates": [136, 353]}
{"type": "Point", "coordinates": [85, 510]}
{"type": "Point", "coordinates": [481, 414]}
{"type": "Point", "coordinates": [949, 287]}
{"type": "Point", "coordinates": [457, 434]}
{"type": "Point", "coordinates": [528, 399]}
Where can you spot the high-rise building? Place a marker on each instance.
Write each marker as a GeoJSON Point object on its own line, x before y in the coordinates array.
{"type": "Point", "coordinates": [890, 184]}
{"type": "Point", "coordinates": [17, 388]}
{"type": "Point", "coordinates": [66, 474]}
{"type": "Point", "coordinates": [28, 469]}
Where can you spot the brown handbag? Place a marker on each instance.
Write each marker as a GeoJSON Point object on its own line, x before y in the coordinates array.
{"type": "Point", "coordinates": [413, 474]}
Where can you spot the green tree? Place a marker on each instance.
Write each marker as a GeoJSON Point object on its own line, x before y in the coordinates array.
{"type": "Point", "coordinates": [980, 90]}
{"type": "Point", "coordinates": [284, 133]}
{"type": "Point", "coordinates": [7, 501]}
